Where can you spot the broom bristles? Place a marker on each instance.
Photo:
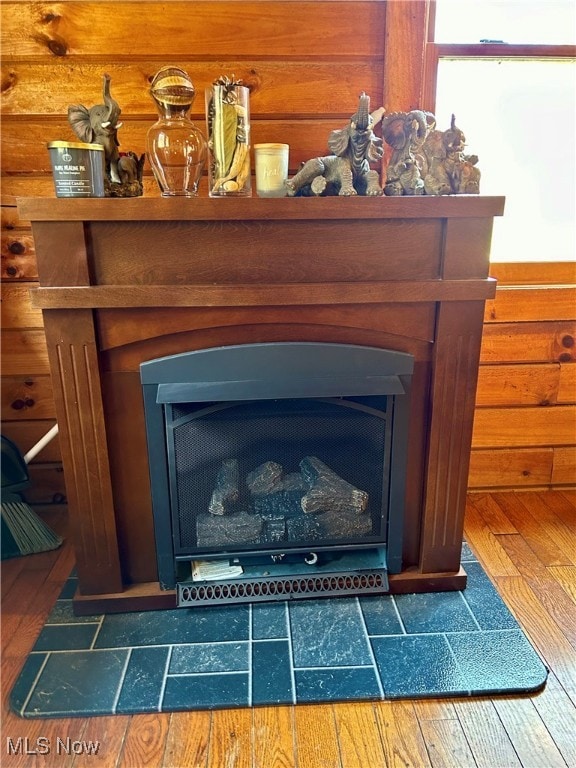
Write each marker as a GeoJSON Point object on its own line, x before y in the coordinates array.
{"type": "Point", "coordinates": [30, 533]}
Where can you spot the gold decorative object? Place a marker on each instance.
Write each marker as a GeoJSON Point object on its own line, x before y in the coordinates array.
{"type": "Point", "coordinates": [228, 123]}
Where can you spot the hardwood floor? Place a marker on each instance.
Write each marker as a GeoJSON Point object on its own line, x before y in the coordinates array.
{"type": "Point", "coordinates": [527, 544]}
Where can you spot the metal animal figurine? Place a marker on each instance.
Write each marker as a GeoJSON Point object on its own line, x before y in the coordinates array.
{"type": "Point", "coordinates": [347, 170]}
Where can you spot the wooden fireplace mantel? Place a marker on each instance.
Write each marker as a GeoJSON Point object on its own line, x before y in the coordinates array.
{"type": "Point", "coordinates": [125, 281]}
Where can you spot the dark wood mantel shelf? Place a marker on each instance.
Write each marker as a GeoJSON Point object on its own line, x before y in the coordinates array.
{"type": "Point", "coordinates": [125, 281]}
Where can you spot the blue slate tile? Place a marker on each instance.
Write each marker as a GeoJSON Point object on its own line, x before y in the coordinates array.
{"type": "Point", "coordinates": [213, 648]}
{"type": "Point", "coordinates": [485, 602]}
{"type": "Point", "coordinates": [63, 613]}
{"type": "Point", "coordinates": [498, 661]}
{"type": "Point", "coordinates": [25, 681]}
{"type": "Point", "coordinates": [336, 684]}
{"type": "Point", "coordinates": [271, 673]}
{"type": "Point", "coordinates": [67, 637]}
{"type": "Point", "coordinates": [69, 589]}
{"type": "Point", "coordinates": [206, 692]}
{"type": "Point", "coordinates": [269, 620]}
{"type": "Point", "coordinates": [328, 633]}
{"type": "Point", "coordinates": [435, 612]}
{"type": "Point", "coordinates": [417, 665]}
{"type": "Point", "coordinates": [380, 615]}
{"type": "Point", "coordinates": [173, 627]}
{"type": "Point", "coordinates": [77, 683]}
{"type": "Point", "coordinates": [142, 685]}
{"type": "Point", "coordinates": [209, 657]}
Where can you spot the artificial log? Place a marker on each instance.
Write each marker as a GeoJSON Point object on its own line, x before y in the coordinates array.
{"type": "Point", "coordinates": [285, 500]}
{"type": "Point", "coordinates": [328, 491]}
{"type": "Point", "coordinates": [225, 493]}
{"type": "Point", "coordinates": [267, 478]}
{"type": "Point", "coordinates": [343, 524]}
{"type": "Point", "coordinates": [303, 529]}
{"type": "Point", "coordinates": [215, 531]}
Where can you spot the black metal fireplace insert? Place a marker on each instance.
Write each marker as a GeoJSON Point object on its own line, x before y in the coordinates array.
{"type": "Point", "coordinates": [277, 470]}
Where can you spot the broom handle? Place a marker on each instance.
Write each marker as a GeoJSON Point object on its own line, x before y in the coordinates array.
{"type": "Point", "coordinates": [40, 444]}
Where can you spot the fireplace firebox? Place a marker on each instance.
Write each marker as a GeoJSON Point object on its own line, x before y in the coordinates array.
{"type": "Point", "coordinates": [286, 460]}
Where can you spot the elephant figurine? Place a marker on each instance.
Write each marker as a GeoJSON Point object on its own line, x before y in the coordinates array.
{"type": "Point", "coordinates": [99, 125]}
{"type": "Point", "coordinates": [447, 170]}
{"type": "Point", "coordinates": [406, 133]}
{"type": "Point", "coordinates": [347, 170]}
{"type": "Point", "coordinates": [130, 168]}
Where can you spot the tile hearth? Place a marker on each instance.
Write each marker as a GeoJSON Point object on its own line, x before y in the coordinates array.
{"type": "Point", "coordinates": [435, 644]}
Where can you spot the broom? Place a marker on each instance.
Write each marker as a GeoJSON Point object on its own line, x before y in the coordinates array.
{"type": "Point", "coordinates": [22, 531]}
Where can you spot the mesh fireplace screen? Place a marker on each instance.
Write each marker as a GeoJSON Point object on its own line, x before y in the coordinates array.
{"type": "Point", "coordinates": [295, 472]}
{"type": "Point", "coordinates": [283, 451]}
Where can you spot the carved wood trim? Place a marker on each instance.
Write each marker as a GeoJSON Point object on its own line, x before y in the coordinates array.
{"type": "Point", "coordinates": [76, 380]}
{"type": "Point", "coordinates": [453, 391]}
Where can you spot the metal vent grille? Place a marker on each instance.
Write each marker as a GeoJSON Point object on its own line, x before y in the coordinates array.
{"type": "Point", "coordinates": [282, 588]}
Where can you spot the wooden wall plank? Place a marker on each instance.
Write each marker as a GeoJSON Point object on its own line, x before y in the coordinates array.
{"type": "Point", "coordinates": [564, 466]}
{"type": "Point", "coordinates": [506, 427]}
{"type": "Point", "coordinates": [509, 468]}
{"type": "Point", "coordinates": [47, 485]}
{"type": "Point", "coordinates": [18, 255]}
{"type": "Point", "coordinates": [211, 31]}
{"type": "Point", "coordinates": [529, 303]}
{"type": "Point", "coordinates": [518, 385]}
{"type": "Point", "coordinates": [567, 384]}
{"type": "Point", "coordinates": [296, 88]}
{"type": "Point", "coordinates": [538, 342]}
{"type": "Point", "coordinates": [27, 397]}
{"type": "Point", "coordinates": [534, 272]}
{"type": "Point", "coordinates": [17, 310]}
{"type": "Point", "coordinates": [24, 353]}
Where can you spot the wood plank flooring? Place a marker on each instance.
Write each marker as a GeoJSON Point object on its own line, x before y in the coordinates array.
{"type": "Point", "coordinates": [526, 541]}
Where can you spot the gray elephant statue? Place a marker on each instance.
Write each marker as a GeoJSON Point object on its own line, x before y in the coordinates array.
{"type": "Point", "coordinates": [347, 170]}
{"type": "Point", "coordinates": [99, 125]}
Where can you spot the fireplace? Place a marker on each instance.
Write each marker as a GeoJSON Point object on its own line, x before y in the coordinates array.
{"type": "Point", "coordinates": [126, 284]}
{"type": "Point", "coordinates": [276, 454]}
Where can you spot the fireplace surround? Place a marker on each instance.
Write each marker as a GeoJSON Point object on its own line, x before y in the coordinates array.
{"type": "Point", "coordinates": [126, 282]}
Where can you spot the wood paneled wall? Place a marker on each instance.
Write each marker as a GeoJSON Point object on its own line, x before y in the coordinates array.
{"type": "Point", "coordinates": [306, 63]}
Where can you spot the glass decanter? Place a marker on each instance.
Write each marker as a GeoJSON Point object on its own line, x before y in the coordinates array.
{"type": "Point", "coordinates": [176, 149]}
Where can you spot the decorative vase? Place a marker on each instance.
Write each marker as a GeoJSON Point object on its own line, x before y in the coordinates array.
{"type": "Point", "coordinates": [176, 148]}
{"type": "Point", "coordinates": [228, 124]}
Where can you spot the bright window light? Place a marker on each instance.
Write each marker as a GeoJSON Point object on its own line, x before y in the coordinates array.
{"type": "Point", "coordinates": [519, 117]}
{"type": "Point", "coordinates": [544, 22]}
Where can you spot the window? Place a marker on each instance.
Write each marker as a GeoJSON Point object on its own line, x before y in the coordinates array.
{"type": "Point", "coordinates": [514, 96]}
